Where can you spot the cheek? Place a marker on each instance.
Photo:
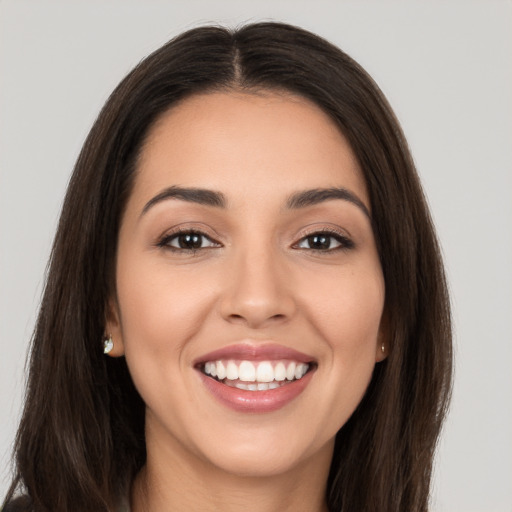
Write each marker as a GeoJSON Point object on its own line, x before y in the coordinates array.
{"type": "Point", "coordinates": [347, 312]}
{"type": "Point", "coordinates": [347, 309]}
{"type": "Point", "coordinates": [161, 308]}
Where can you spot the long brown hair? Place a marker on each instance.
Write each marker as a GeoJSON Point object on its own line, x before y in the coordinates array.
{"type": "Point", "coordinates": [81, 437]}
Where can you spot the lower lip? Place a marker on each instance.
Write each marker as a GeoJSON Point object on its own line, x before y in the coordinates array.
{"type": "Point", "coordinates": [256, 401]}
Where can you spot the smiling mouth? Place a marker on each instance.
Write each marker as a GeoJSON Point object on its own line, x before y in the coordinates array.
{"type": "Point", "coordinates": [258, 375]}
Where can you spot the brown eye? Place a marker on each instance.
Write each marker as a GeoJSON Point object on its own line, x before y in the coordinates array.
{"type": "Point", "coordinates": [319, 242]}
{"type": "Point", "coordinates": [188, 241]}
{"type": "Point", "coordinates": [324, 241]}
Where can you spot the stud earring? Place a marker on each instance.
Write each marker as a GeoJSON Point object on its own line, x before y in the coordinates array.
{"type": "Point", "coordinates": [383, 348]}
{"type": "Point", "coordinates": [108, 344]}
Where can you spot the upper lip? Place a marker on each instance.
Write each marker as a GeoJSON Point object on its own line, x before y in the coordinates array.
{"type": "Point", "coordinates": [251, 351]}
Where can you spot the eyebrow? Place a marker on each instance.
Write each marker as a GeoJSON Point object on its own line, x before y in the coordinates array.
{"type": "Point", "coordinates": [192, 195]}
{"type": "Point", "coordinates": [216, 199]}
{"type": "Point", "coordinates": [319, 195]}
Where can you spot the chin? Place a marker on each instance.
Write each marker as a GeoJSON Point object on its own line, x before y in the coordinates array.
{"type": "Point", "coordinates": [264, 455]}
{"type": "Point", "coordinates": [245, 463]}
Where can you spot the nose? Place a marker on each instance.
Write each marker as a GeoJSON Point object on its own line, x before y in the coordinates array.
{"type": "Point", "coordinates": [257, 292]}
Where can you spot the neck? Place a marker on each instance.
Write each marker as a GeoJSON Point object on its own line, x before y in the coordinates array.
{"type": "Point", "coordinates": [169, 482]}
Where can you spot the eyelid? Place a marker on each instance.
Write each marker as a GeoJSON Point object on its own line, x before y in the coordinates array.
{"type": "Point", "coordinates": [164, 239]}
{"type": "Point", "coordinates": [341, 235]}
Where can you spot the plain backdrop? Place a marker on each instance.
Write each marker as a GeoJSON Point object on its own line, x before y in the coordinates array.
{"type": "Point", "coordinates": [446, 68]}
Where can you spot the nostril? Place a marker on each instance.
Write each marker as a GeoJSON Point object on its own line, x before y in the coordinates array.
{"type": "Point", "coordinates": [255, 320]}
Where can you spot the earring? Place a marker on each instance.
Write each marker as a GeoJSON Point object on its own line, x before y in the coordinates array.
{"type": "Point", "coordinates": [108, 344]}
{"type": "Point", "coordinates": [383, 348]}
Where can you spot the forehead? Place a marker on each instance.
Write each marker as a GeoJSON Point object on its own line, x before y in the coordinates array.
{"type": "Point", "coordinates": [266, 143]}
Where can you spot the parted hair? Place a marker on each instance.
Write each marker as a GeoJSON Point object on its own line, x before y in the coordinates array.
{"type": "Point", "coordinates": [81, 437]}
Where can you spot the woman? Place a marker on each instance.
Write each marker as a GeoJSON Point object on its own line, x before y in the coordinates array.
{"type": "Point", "coordinates": [246, 306]}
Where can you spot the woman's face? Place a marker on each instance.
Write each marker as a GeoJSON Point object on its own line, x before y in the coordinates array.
{"type": "Point", "coordinates": [249, 289]}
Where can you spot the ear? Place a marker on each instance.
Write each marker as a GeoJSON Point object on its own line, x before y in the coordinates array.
{"type": "Point", "coordinates": [113, 328]}
{"type": "Point", "coordinates": [383, 344]}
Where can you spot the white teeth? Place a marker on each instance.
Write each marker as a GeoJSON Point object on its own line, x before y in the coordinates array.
{"type": "Point", "coordinates": [211, 369]}
{"type": "Point", "coordinates": [247, 372]}
{"type": "Point", "coordinates": [265, 372]}
{"type": "Point", "coordinates": [280, 372]}
{"type": "Point", "coordinates": [232, 371]}
{"type": "Point", "coordinates": [221, 370]}
{"type": "Point", "coordinates": [259, 376]}
{"type": "Point", "coordinates": [300, 370]}
{"type": "Point", "coordinates": [290, 371]}
{"type": "Point", "coordinates": [261, 386]}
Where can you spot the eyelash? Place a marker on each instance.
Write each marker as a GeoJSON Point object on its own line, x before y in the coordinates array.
{"type": "Point", "coordinates": [166, 240]}
{"type": "Point", "coordinates": [344, 242]}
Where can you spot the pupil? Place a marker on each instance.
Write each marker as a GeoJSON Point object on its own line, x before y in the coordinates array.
{"type": "Point", "coordinates": [190, 241]}
{"type": "Point", "coordinates": [319, 242]}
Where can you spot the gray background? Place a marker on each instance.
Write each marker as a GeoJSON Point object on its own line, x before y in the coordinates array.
{"type": "Point", "coordinates": [446, 69]}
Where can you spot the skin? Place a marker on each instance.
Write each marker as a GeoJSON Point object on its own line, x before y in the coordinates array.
{"type": "Point", "coordinates": [258, 279]}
